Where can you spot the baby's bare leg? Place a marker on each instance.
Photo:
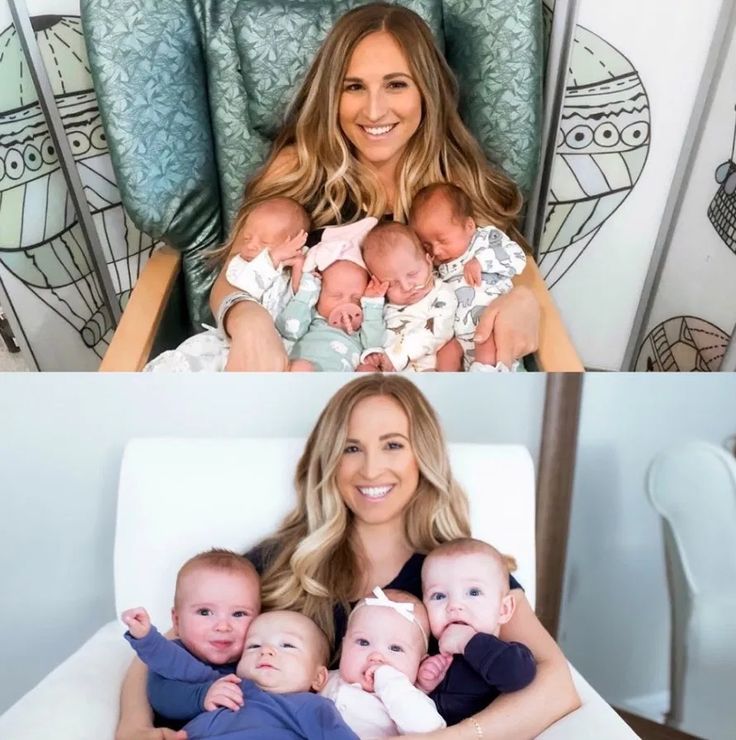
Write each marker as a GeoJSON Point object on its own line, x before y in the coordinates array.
{"type": "Point", "coordinates": [450, 357]}
{"type": "Point", "coordinates": [301, 366]}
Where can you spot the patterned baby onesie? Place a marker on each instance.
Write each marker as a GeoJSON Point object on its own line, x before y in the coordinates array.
{"type": "Point", "coordinates": [328, 348]}
{"type": "Point", "coordinates": [500, 259]}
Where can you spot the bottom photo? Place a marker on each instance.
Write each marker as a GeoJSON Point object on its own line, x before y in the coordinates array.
{"type": "Point", "coordinates": [250, 557]}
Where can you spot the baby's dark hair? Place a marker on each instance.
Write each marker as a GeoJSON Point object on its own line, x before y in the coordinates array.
{"type": "Point", "coordinates": [460, 204]}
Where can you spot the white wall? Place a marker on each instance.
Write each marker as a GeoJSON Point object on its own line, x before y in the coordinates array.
{"type": "Point", "coordinates": [61, 439]}
{"type": "Point", "coordinates": [615, 615]}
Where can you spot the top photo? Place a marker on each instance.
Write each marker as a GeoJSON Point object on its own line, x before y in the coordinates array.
{"type": "Point", "coordinates": [414, 186]}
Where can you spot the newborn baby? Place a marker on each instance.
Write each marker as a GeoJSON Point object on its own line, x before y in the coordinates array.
{"type": "Point", "coordinates": [334, 318]}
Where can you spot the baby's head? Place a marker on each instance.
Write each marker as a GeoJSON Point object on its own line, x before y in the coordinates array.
{"type": "Point", "coordinates": [466, 581]}
{"type": "Point", "coordinates": [343, 285]}
{"type": "Point", "coordinates": [394, 255]}
{"type": "Point", "coordinates": [442, 216]}
{"type": "Point", "coordinates": [285, 652]}
{"type": "Point", "coordinates": [391, 629]}
{"type": "Point", "coordinates": [218, 593]}
{"type": "Point", "coordinates": [270, 223]}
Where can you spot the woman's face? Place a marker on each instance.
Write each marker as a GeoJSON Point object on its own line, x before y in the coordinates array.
{"type": "Point", "coordinates": [377, 475]}
{"type": "Point", "coordinates": [380, 104]}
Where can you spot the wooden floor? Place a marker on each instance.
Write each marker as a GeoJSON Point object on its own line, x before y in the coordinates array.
{"type": "Point", "coordinates": [649, 730]}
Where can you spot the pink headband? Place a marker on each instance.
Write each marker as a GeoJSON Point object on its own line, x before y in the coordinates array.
{"type": "Point", "coordinates": [339, 243]}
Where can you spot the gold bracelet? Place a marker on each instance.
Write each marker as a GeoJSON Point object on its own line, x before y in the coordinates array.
{"type": "Point", "coordinates": [476, 726]}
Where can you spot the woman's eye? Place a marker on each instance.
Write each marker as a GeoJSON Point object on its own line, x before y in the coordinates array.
{"type": "Point", "coordinates": [474, 592]}
{"type": "Point", "coordinates": [395, 446]}
{"type": "Point", "coordinates": [351, 449]}
{"type": "Point", "coordinates": [397, 84]}
{"type": "Point", "coordinates": [352, 87]}
{"type": "Point", "coordinates": [204, 612]}
{"type": "Point", "coordinates": [396, 648]}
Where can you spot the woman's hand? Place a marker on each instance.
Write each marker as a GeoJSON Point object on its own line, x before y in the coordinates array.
{"type": "Point", "coordinates": [255, 344]}
{"type": "Point", "coordinates": [511, 323]}
{"type": "Point", "coordinates": [157, 733]}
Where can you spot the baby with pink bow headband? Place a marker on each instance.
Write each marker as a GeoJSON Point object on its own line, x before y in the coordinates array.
{"type": "Point", "coordinates": [337, 312]}
{"type": "Point", "coordinates": [373, 689]}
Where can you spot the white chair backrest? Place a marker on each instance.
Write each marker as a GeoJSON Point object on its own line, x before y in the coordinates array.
{"type": "Point", "coordinates": [693, 487]}
{"type": "Point", "coordinates": [178, 497]}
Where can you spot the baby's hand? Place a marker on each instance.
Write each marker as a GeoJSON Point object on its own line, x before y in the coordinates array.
{"type": "Point", "coordinates": [368, 677]}
{"type": "Point", "coordinates": [297, 266]}
{"type": "Point", "coordinates": [472, 272]}
{"type": "Point", "coordinates": [137, 621]}
{"type": "Point", "coordinates": [431, 672]}
{"type": "Point", "coordinates": [224, 692]}
{"type": "Point", "coordinates": [454, 639]}
{"type": "Point", "coordinates": [375, 289]}
{"type": "Point", "coordinates": [288, 249]}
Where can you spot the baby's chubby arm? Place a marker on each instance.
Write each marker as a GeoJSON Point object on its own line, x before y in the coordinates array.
{"type": "Point", "coordinates": [409, 708]}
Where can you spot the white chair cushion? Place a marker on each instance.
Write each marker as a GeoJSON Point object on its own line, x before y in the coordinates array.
{"type": "Point", "coordinates": [181, 496]}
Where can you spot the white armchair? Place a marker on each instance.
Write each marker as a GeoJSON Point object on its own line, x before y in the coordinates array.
{"type": "Point", "coordinates": [180, 496]}
{"type": "Point", "coordinates": [693, 487]}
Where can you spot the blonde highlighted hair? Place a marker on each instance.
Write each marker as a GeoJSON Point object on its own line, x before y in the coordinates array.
{"type": "Point", "coordinates": [325, 173]}
{"type": "Point", "coordinates": [312, 560]}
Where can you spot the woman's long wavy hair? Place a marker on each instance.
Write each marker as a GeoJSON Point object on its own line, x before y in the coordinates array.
{"type": "Point", "coordinates": [326, 173]}
{"type": "Point", "coordinates": [312, 561]}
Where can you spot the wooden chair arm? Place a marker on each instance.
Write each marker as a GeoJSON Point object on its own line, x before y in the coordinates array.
{"type": "Point", "coordinates": [131, 344]}
{"type": "Point", "coordinates": [556, 352]}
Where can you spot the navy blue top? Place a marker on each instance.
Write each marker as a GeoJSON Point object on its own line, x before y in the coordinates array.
{"type": "Point", "coordinates": [488, 667]}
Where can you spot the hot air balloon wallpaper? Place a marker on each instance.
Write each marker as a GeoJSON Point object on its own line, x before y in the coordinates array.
{"type": "Point", "coordinates": [602, 148]}
{"type": "Point", "coordinates": [722, 210]}
{"type": "Point", "coordinates": [42, 251]}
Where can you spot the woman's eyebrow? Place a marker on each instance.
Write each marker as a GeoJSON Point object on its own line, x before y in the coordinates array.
{"type": "Point", "coordinates": [389, 76]}
{"type": "Point", "coordinates": [393, 434]}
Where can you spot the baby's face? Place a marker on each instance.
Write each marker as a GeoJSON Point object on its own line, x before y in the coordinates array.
{"type": "Point", "coordinates": [267, 226]}
{"type": "Point", "coordinates": [379, 635]}
{"type": "Point", "coordinates": [213, 610]}
{"type": "Point", "coordinates": [467, 589]}
{"type": "Point", "coordinates": [407, 271]}
{"type": "Point", "coordinates": [282, 654]}
{"type": "Point", "coordinates": [343, 283]}
{"type": "Point", "coordinates": [444, 237]}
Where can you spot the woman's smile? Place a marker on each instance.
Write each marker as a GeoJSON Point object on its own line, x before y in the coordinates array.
{"type": "Point", "coordinates": [375, 492]}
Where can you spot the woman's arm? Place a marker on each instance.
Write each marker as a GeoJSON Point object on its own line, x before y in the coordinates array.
{"type": "Point", "coordinates": [255, 343]}
{"type": "Point", "coordinates": [523, 714]}
{"type": "Point", "coordinates": [512, 322]}
{"type": "Point", "coordinates": [136, 716]}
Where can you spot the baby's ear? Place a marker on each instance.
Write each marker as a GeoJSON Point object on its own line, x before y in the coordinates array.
{"type": "Point", "coordinates": [320, 679]}
{"type": "Point", "coordinates": [508, 604]}
{"type": "Point", "coordinates": [174, 620]}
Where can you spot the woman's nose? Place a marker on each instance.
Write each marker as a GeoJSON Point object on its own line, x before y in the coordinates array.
{"type": "Point", "coordinates": [371, 466]}
{"type": "Point", "coordinates": [375, 105]}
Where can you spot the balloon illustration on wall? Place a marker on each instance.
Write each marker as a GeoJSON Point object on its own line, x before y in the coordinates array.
{"type": "Point", "coordinates": [722, 210]}
{"type": "Point", "coordinates": [41, 242]}
{"type": "Point", "coordinates": [602, 147]}
{"type": "Point", "coordinates": [683, 344]}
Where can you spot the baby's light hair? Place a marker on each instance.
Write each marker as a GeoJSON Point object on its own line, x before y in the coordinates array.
{"type": "Point", "coordinates": [420, 617]}
{"type": "Point", "coordinates": [460, 205]}
{"type": "Point", "coordinates": [471, 546]}
{"type": "Point", "coordinates": [289, 206]}
{"type": "Point", "coordinates": [384, 237]}
{"type": "Point", "coordinates": [217, 558]}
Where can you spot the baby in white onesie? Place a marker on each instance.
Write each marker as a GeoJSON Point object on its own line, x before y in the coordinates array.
{"type": "Point", "coordinates": [477, 263]}
{"type": "Point", "coordinates": [374, 691]}
{"type": "Point", "coordinates": [420, 309]}
{"type": "Point", "coordinates": [270, 241]}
